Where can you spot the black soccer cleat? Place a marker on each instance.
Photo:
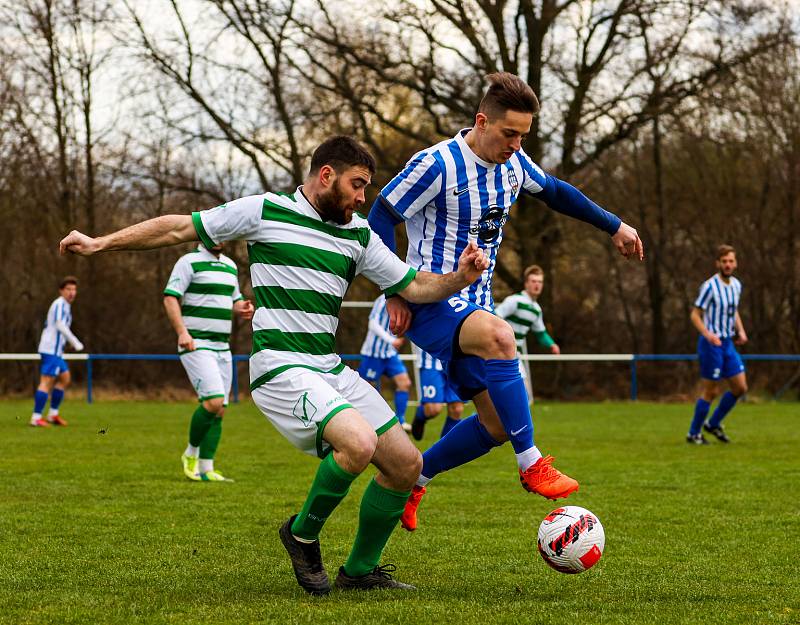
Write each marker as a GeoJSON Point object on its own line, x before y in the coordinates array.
{"type": "Point", "coordinates": [718, 432]}
{"type": "Point", "coordinates": [379, 578]}
{"type": "Point", "coordinates": [696, 439]}
{"type": "Point", "coordinates": [306, 561]}
{"type": "Point", "coordinates": [418, 428]}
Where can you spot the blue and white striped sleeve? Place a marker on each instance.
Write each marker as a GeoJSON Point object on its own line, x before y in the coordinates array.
{"type": "Point", "coordinates": [704, 295]}
{"type": "Point", "coordinates": [414, 187]}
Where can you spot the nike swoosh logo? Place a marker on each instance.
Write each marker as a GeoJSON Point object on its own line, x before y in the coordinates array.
{"type": "Point", "coordinates": [522, 429]}
{"type": "Point", "coordinates": [460, 191]}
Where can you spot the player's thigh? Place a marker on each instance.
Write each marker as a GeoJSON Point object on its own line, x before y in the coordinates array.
{"type": "Point", "coordinates": [486, 335]}
{"type": "Point", "coordinates": [225, 367]}
{"type": "Point", "coordinates": [300, 404]}
{"type": "Point", "coordinates": [738, 384]}
{"type": "Point", "coordinates": [397, 458]}
{"type": "Point", "coordinates": [711, 360]}
{"type": "Point", "coordinates": [204, 374]}
{"type": "Point", "coordinates": [46, 382]}
{"type": "Point", "coordinates": [64, 378]}
{"type": "Point", "coordinates": [435, 327]}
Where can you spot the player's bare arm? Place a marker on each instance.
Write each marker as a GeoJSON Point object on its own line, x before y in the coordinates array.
{"type": "Point", "coordinates": [627, 241]}
{"type": "Point", "coordinates": [173, 308]}
{"type": "Point", "coordinates": [741, 335]}
{"type": "Point", "coordinates": [431, 287]}
{"type": "Point", "coordinates": [697, 321]}
{"type": "Point", "coordinates": [157, 232]}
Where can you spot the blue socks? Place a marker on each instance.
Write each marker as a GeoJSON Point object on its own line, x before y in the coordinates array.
{"type": "Point", "coordinates": [55, 398]}
{"type": "Point", "coordinates": [448, 425]}
{"type": "Point", "coordinates": [467, 440]}
{"type": "Point", "coordinates": [39, 400]}
{"type": "Point", "coordinates": [700, 413]}
{"type": "Point", "coordinates": [507, 391]}
{"type": "Point", "coordinates": [726, 404]}
{"type": "Point", "coordinates": [400, 405]}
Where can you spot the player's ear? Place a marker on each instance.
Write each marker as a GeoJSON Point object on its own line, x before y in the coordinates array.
{"type": "Point", "coordinates": [327, 175]}
{"type": "Point", "coordinates": [481, 121]}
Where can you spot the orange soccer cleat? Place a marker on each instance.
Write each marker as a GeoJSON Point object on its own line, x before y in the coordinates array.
{"type": "Point", "coordinates": [542, 478]}
{"type": "Point", "coordinates": [57, 420]}
{"type": "Point", "coordinates": [409, 518]}
{"type": "Point", "coordinates": [39, 423]}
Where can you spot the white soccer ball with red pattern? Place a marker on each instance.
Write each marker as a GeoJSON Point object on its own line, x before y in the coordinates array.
{"type": "Point", "coordinates": [571, 539]}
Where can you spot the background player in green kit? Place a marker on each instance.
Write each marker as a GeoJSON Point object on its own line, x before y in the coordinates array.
{"type": "Point", "coordinates": [201, 295]}
{"type": "Point", "coordinates": [305, 249]}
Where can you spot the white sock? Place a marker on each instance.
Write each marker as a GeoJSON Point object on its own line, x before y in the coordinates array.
{"type": "Point", "coordinates": [192, 451]}
{"type": "Point", "coordinates": [303, 540]}
{"type": "Point", "coordinates": [423, 481]}
{"type": "Point", "coordinates": [528, 458]}
{"type": "Point", "coordinates": [52, 413]}
{"type": "Point", "coordinates": [36, 416]}
{"type": "Point", "coordinates": [206, 465]}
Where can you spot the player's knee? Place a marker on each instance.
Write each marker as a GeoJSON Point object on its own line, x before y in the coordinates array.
{"type": "Point", "coordinates": [409, 467]}
{"type": "Point", "coordinates": [455, 411]}
{"type": "Point", "coordinates": [431, 410]}
{"type": "Point", "coordinates": [215, 404]}
{"type": "Point", "coordinates": [499, 341]}
{"type": "Point", "coordinates": [360, 449]}
{"type": "Point", "coordinates": [403, 383]}
{"type": "Point", "coordinates": [740, 389]}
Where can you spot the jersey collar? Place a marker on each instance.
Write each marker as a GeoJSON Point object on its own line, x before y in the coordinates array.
{"type": "Point", "coordinates": [467, 151]}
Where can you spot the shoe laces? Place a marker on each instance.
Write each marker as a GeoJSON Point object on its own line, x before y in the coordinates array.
{"type": "Point", "coordinates": [544, 469]}
{"type": "Point", "coordinates": [384, 570]}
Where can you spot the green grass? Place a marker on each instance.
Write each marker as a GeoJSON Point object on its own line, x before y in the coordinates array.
{"type": "Point", "coordinates": [102, 528]}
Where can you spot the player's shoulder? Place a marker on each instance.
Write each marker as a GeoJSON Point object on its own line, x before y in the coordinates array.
{"type": "Point", "coordinates": [736, 282]}
{"type": "Point", "coordinates": [521, 159]}
{"type": "Point", "coordinates": [228, 261]}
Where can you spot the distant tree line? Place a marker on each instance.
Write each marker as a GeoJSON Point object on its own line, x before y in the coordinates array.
{"type": "Point", "coordinates": [681, 116]}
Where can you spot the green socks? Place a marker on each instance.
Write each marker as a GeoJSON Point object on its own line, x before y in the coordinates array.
{"type": "Point", "coordinates": [211, 440]}
{"type": "Point", "coordinates": [202, 420]}
{"type": "Point", "coordinates": [329, 487]}
{"type": "Point", "coordinates": [380, 511]}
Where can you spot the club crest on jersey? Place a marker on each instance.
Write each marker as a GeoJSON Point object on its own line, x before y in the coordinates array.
{"type": "Point", "coordinates": [489, 227]}
{"type": "Point", "coordinates": [512, 180]}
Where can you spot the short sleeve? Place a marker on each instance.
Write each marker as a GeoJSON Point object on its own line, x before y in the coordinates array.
{"type": "Point", "coordinates": [534, 178]}
{"type": "Point", "coordinates": [179, 279]}
{"type": "Point", "coordinates": [703, 296]}
{"type": "Point", "coordinates": [506, 308]}
{"type": "Point", "coordinates": [414, 187]}
{"type": "Point", "coordinates": [237, 220]}
{"type": "Point", "coordinates": [383, 267]}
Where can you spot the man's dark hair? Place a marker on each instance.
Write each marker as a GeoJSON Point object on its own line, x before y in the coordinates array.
{"type": "Point", "coordinates": [341, 153]}
{"type": "Point", "coordinates": [507, 92]}
{"type": "Point", "coordinates": [67, 280]}
{"type": "Point", "coordinates": [724, 250]}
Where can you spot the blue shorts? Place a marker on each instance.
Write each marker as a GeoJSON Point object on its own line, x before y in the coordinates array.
{"type": "Point", "coordinates": [434, 328]}
{"type": "Point", "coordinates": [718, 363]}
{"type": "Point", "coordinates": [435, 387]}
{"type": "Point", "coordinates": [52, 365]}
{"type": "Point", "coordinates": [371, 368]}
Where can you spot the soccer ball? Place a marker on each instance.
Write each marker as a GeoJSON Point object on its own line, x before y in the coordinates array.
{"type": "Point", "coordinates": [571, 539]}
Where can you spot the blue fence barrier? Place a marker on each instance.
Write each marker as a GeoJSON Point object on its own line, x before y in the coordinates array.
{"type": "Point", "coordinates": [633, 359]}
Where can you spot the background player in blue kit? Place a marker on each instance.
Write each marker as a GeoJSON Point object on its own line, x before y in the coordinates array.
{"type": "Point", "coordinates": [459, 191]}
{"type": "Point", "coordinates": [435, 391]}
{"type": "Point", "coordinates": [716, 317]}
{"type": "Point", "coordinates": [54, 373]}
{"type": "Point", "coordinates": [380, 358]}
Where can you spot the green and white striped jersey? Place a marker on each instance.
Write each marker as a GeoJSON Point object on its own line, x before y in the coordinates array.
{"type": "Point", "coordinates": [207, 287]}
{"type": "Point", "coordinates": [524, 315]}
{"type": "Point", "coordinates": [301, 268]}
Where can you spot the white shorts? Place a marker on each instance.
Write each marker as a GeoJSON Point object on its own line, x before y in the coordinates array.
{"type": "Point", "coordinates": [300, 402]}
{"type": "Point", "coordinates": [209, 372]}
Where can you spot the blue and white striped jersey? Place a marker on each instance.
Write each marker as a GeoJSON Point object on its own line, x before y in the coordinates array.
{"type": "Point", "coordinates": [426, 361]}
{"type": "Point", "coordinates": [449, 196]}
{"type": "Point", "coordinates": [719, 302]}
{"type": "Point", "coordinates": [377, 344]}
{"type": "Point", "coordinates": [52, 341]}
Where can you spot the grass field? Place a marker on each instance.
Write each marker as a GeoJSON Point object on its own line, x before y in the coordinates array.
{"type": "Point", "coordinates": [97, 524]}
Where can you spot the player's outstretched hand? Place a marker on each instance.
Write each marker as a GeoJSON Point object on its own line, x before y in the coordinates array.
{"type": "Point", "coordinates": [399, 315]}
{"type": "Point", "coordinates": [78, 243]}
{"type": "Point", "coordinates": [472, 262]}
{"type": "Point", "coordinates": [628, 243]}
{"type": "Point", "coordinates": [244, 308]}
